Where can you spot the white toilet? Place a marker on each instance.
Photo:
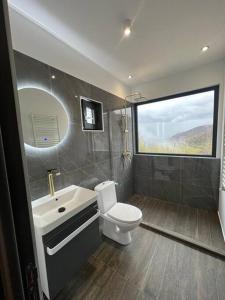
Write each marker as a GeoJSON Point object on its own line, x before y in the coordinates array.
{"type": "Point", "coordinates": [118, 218]}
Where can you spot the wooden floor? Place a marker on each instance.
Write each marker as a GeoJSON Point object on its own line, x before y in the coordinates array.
{"type": "Point", "coordinates": [151, 267]}
{"type": "Point", "coordinates": [199, 224]}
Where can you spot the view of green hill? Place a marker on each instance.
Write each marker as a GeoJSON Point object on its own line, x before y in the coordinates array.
{"type": "Point", "coordinates": [197, 140]}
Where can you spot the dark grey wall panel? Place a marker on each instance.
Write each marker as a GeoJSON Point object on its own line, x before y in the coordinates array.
{"type": "Point", "coordinates": [86, 158]}
{"type": "Point", "coordinates": [192, 181]}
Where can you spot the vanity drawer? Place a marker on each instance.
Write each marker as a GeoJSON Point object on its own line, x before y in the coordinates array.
{"type": "Point", "coordinates": [68, 247]}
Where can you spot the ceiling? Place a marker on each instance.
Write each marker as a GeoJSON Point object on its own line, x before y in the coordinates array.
{"type": "Point", "coordinates": [167, 36]}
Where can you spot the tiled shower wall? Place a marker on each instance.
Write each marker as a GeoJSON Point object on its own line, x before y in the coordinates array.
{"type": "Point", "coordinates": [192, 181]}
{"type": "Point", "coordinates": [85, 158]}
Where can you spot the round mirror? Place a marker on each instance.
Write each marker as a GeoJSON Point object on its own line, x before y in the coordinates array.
{"type": "Point", "coordinates": [44, 120]}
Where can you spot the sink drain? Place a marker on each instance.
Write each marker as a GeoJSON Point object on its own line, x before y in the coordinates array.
{"type": "Point", "coordinates": [61, 209]}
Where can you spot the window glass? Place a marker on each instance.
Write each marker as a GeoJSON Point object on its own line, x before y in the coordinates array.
{"type": "Point", "coordinates": [90, 116]}
{"type": "Point", "coordinates": [181, 125]}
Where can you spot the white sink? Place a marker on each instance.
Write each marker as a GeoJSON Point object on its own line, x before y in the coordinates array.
{"type": "Point", "coordinates": [73, 199]}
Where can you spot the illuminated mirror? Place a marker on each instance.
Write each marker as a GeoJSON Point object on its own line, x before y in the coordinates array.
{"type": "Point", "coordinates": [44, 119]}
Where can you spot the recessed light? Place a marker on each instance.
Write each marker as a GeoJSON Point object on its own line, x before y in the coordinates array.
{"type": "Point", "coordinates": [127, 28]}
{"type": "Point", "coordinates": [53, 76]}
{"type": "Point", "coordinates": [130, 76]}
{"type": "Point", "coordinates": [127, 31]}
{"type": "Point", "coordinates": [205, 48]}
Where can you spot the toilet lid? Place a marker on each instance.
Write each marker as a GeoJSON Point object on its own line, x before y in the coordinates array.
{"type": "Point", "coordinates": [125, 213]}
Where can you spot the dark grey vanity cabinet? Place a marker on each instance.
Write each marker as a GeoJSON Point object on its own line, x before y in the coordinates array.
{"type": "Point", "coordinates": [62, 264]}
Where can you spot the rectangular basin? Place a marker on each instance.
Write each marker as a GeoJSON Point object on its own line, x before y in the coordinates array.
{"type": "Point", "coordinates": [49, 212]}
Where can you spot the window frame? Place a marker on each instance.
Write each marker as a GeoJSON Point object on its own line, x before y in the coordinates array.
{"type": "Point", "coordinates": [214, 88]}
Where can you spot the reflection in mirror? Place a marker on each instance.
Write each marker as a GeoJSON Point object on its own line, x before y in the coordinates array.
{"type": "Point", "coordinates": [44, 119]}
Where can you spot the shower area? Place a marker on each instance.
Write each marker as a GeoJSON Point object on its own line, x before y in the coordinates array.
{"type": "Point", "coordinates": [174, 201]}
{"type": "Point", "coordinates": [178, 194]}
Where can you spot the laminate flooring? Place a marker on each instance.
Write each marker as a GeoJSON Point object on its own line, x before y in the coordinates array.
{"type": "Point", "coordinates": [151, 267]}
{"type": "Point", "coordinates": [200, 225]}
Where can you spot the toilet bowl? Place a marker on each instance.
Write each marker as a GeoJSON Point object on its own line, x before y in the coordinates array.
{"type": "Point", "coordinates": [118, 219]}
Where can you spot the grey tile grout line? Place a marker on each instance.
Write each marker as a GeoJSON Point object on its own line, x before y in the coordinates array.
{"type": "Point", "coordinates": [181, 238]}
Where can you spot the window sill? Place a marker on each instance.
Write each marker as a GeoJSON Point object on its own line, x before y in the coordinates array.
{"type": "Point", "coordinates": [175, 155]}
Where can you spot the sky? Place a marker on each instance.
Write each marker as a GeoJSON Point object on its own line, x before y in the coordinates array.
{"type": "Point", "coordinates": [161, 120]}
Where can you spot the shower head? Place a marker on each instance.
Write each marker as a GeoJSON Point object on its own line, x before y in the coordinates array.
{"type": "Point", "coordinates": [142, 98]}
{"type": "Point", "coordinates": [135, 97]}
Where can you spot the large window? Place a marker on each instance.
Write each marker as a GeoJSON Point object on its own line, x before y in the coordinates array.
{"type": "Point", "coordinates": [183, 124]}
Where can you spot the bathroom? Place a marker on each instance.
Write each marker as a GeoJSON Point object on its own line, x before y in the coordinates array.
{"type": "Point", "coordinates": [112, 150]}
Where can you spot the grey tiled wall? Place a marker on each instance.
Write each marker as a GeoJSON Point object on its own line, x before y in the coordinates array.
{"type": "Point", "coordinates": [86, 158]}
{"type": "Point", "coordinates": [188, 180]}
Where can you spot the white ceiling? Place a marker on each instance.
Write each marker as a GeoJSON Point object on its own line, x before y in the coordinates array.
{"type": "Point", "coordinates": [167, 35]}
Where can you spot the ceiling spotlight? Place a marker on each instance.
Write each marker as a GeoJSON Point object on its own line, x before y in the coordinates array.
{"type": "Point", "coordinates": [205, 48]}
{"type": "Point", "coordinates": [53, 76]}
{"type": "Point", "coordinates": [130, 76]}
{"type": "Point", "coordinates": [127, 31]}
{"type": "Point", "coordinates": [127, 28]}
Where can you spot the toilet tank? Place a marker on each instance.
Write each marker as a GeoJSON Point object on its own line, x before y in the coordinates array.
{"type": "Point", "coordinates": [106, 195]}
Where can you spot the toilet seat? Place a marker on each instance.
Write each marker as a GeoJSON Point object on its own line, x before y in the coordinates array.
{"type": "Point", "coordinates": [125, 213]}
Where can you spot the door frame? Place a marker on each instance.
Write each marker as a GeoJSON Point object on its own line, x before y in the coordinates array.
{"type": "Point", "coordinates": [16, 203]}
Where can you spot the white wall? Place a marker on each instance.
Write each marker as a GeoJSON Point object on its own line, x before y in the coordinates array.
{"type": "Point", "coordinates": [222, 193]}
{"type": "Point", "coordinates": [200, 77]}
{"type": "Point", "coordinates": [36, 42]}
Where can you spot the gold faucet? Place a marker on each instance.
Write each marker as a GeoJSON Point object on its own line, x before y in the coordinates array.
{"type": "Point", "coordinates": [52, 172]}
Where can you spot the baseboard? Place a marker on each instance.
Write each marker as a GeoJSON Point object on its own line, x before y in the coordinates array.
{"type": "Point", "coordinates": [221, 225]}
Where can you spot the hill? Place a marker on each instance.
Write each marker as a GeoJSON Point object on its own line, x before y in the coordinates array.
{"type": "Point", "coordinates": [199, 137]}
